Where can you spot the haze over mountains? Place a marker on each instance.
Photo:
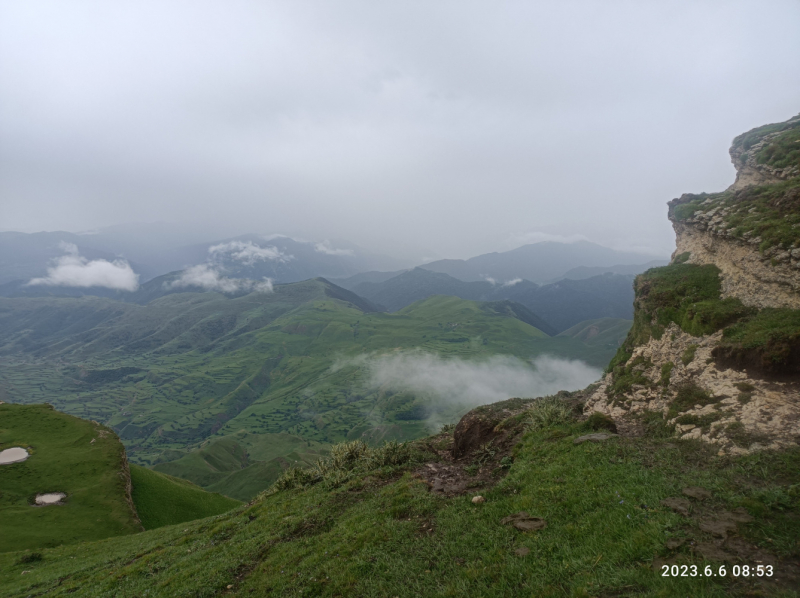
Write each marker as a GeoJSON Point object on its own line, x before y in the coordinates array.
{"type": "Point", "coordinates": [150, 252]}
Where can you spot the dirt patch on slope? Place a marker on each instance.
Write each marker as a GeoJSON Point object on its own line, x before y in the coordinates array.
{"type": "Point", "coordinates": [478, 453]}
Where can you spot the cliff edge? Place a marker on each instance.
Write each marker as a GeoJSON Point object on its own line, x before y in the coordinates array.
{"type": "Point", "coordinates": [714, 352]}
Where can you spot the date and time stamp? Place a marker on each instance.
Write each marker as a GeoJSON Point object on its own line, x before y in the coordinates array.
{"type": "Point", "coordinates": [717, 571]}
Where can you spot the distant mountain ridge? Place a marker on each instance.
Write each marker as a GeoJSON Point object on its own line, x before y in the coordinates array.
{"type": "Point", "coordinates": [556, 306]}
{"type": "Point", "coordinates": [538, 262]}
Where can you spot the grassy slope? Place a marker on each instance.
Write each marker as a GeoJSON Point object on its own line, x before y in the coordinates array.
{"type": "Point", "coordinates": [603, 332]}
{"type": "Point", "coordinates": [212, 366]}
{"type": "Point", "coordinates": [370, 537]}
{"type": "Point", "coordinates": [63, 459]}
{"type": "Point", "coordinates": [162, 500]}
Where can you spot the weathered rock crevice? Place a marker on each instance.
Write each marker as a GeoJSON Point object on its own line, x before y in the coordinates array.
{"type": "Point", "coordinates": [741, 414]}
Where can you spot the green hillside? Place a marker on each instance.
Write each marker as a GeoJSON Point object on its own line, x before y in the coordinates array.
{"type": "Point", "coordinates": [372, 530]}
{"type": "Point", "coordinates": [602, 332]}
{"type": "Point", "coordinates": [81, 459]}
{"type": "Point", "coordinates": [192, 367]}
{"type": "Point", "coordinates": [161, 499]}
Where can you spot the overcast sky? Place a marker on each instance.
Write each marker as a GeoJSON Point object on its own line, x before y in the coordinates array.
{"type": "Point", "coordinates": [427, 129]}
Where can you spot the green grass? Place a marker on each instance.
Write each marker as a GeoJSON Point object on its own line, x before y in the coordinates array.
{"type": "Point", "coordinates": [63, 459]}
{"type": "Point", "coordinates": [627, 374]}
{"type": "Point", "coordinates": [687, 395]}
{"type": "Point", "coordinates": [688, 355]}
{"type": "Point", "coordinates": [782, 151]}
{"type": "Point", "coordinates": [602, 332]}
{"type": "Point", "coordinates": [686, 294]}
{"type": "Point", "coordinates": [162, 500]}
{"type": "Point", "coordinates": [383, 534]}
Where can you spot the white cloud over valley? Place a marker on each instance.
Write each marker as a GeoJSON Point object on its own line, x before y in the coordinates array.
{"type": "Point", "coordinates": [210, 278]}
{"type": "Point", "coordinates": [247, 252]}
{"type": "Point", "coordinates": [325, 247]}
{"type": "Point", "coordinates": [472, 382]}
{"type": "Point", "coordinates": [73, 270]}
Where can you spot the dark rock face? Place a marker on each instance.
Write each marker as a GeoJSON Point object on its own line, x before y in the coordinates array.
{"type": "Point", "coordinates": [481, 426]}
{"type": "Point", "coordinates": [475, 429]}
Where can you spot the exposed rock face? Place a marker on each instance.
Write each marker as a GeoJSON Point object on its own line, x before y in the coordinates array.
{"type": "Point", "coordinates": [759, 276]}
{"type": "Point", "coordinates": [741, 397]}
{"type": "Point", "coordinates": [764, 415]}
{"type": "Point", "coordinates": [758, 280]}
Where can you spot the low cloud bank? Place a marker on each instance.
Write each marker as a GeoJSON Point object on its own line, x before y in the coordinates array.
{"type": "Point", "coordinates": [461, 381]}
{"type": "Point", "coordinates": [324, 247]}
{"type": "Point", "coordinates": [508, 283]}
{"type": "Point", "coordinates": [73, 270]}
{"type": "Point", "coordinates": [210, 278]}
{"type": "Point", "coordinates": [248, 253]}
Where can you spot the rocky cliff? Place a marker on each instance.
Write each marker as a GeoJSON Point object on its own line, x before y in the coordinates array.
{"type": "Point", "coordinates": [714, 353]}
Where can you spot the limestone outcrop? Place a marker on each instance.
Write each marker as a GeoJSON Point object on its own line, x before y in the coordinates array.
{"type": "Point", "coordinates": [740, 414]}
{"type": "Point", "coordinates": [714, 353]}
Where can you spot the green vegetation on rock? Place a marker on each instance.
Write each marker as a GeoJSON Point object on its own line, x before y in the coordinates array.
{"type": "Point", "coordinates": [767, 215]}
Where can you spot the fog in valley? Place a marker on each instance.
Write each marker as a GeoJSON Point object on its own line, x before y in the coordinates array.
{"type": "Point", "coordinates": [472, 383]}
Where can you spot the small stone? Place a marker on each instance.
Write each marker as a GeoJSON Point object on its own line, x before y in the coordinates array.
{"type": "Point", "coordinates": [529, 525]}
{"type": "Point", "coordinates": [230, 586]}
{"type": "Point", "coordinates": [524, 522]}
{"type": "Point", "coordinates": [712, 552]}
{"type": "Point", "coordinates": [523, 551]}
{"type": "Point", "coordinates": [599, 437]}
{"type": "Point", "coordinates": [696, 492]}
{"type": "Point", "coordinates": [674, 543]}
{"type": "Point", "coordinates": [679, 505]}
{"type": "Point", "coordinates": [717, 527]}
{"type": "Point", "coordinates": [476, 500]}
{"type": "Point", "coordinates": [739, 515]}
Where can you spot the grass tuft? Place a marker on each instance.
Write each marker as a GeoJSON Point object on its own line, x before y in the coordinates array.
{"type": "Point", "coordinates": [688, 395]}
{"type": "Point", "coordinates": [346, 461]}
{"type": "Point", "coordinates": [548, 412]}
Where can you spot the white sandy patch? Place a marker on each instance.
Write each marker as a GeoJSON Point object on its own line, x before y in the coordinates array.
{"type": "Point", "coordinates": [13, 455]}
{"type": "Point", "coordinates": [51, 498]}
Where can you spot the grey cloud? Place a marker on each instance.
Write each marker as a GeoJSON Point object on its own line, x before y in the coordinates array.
{"type": "Point", "coordinates": [440, 129]}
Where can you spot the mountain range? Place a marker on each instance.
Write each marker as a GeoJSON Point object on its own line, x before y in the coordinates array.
{"type": "Point", "coordinates": [557, 306]}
